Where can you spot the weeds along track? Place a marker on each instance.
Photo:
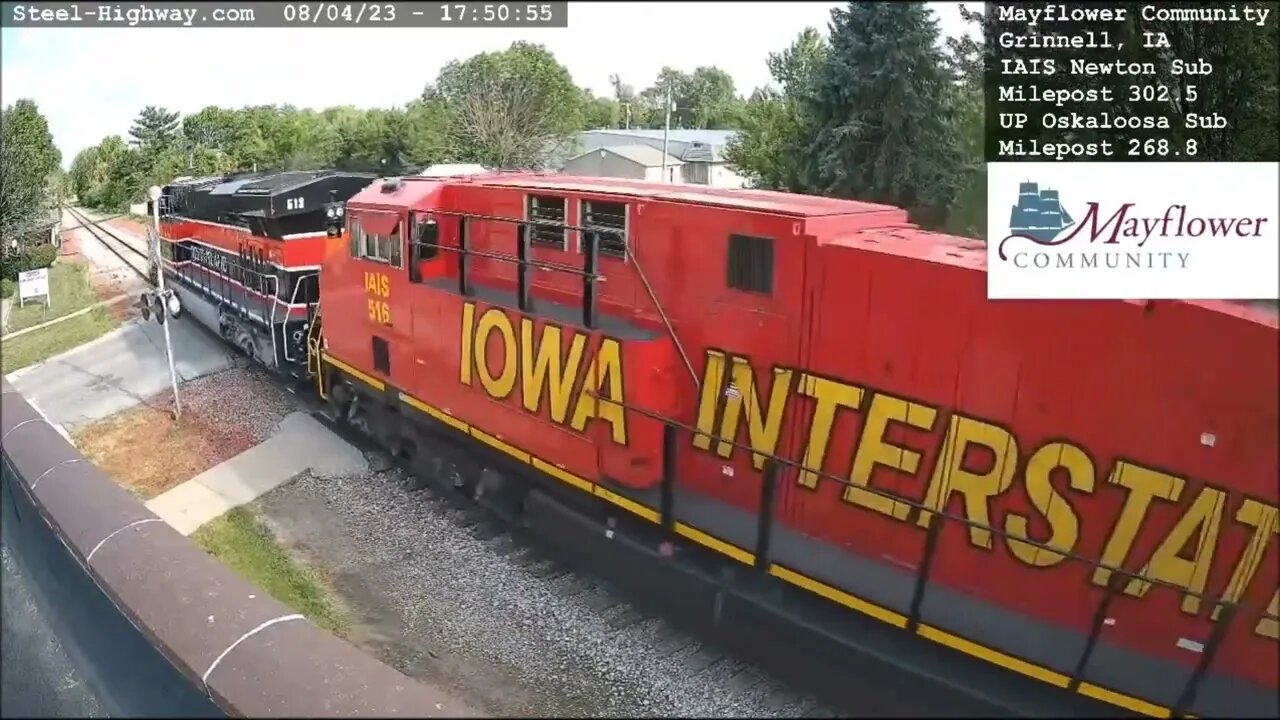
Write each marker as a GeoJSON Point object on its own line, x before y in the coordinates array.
{"type": "Point", "coordinates": [131, 253]}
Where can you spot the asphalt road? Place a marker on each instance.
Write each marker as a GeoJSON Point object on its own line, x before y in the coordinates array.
{"type": "Point", "coordinates": [37, 679]}
{"type": "Point", "coordinates": [117, 371]}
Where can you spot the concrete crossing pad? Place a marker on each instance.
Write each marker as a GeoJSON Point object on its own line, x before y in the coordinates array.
{"type": "Point", "coordinates": [301, 443]}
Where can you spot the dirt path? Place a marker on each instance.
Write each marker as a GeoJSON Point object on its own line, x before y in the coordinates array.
{"type": "Point", "coordinates": [144, 449]}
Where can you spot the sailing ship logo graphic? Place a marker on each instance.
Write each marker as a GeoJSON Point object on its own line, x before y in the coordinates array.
{"type": "Point", "coordinates": [1038, 216]}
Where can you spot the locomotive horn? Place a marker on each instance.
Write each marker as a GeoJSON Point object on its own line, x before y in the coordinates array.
{"type": "Point", "coordinates": [144, 307]}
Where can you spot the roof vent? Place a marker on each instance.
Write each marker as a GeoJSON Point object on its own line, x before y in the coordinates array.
{"type": "Point", "coordinates": [391, 185]}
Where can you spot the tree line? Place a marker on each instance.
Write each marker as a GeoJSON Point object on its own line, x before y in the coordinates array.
{"type": "Point", "coordinates": [30, 191]}
{"type": "Point", "coordinates": [514, 109]}
{"type": "Point", "coordinates": [874, 109]}
{"type": "Point", "coordinates": [841, 117]}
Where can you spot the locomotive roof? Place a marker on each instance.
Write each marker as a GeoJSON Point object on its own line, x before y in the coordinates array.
{"type": "Point", "coordinates": [261, 183]}
{"type": "Point", "coordinates": [276, 183]}
{"type": "Point", "coordinates": [188, 181]}
{"type": "Point", "coordinates": [910, 241]}
{"type": "Point", "coordinates": [898, 238]}
{"type": "Point", "coordinates": [758, 200]}
{"type": "Point", "coordinates": [409, 191]}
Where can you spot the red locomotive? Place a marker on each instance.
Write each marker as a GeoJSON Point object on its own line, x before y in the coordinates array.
{"type": "Point", "coordinates": [817, 395]}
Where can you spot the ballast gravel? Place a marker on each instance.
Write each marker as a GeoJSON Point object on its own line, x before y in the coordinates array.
{"type": "Point", "coordinates": [465, 606]}
{"type": "Point", "coordinates": [449, 598]}
{"type": "Point", "coordinates": [242, 396]}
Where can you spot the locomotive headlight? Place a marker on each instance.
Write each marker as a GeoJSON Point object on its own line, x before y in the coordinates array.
{"type": "Point", "coordinates": [333, 213]}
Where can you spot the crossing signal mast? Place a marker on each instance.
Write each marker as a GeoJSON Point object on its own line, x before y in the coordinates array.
{"type": "Point", "coordinates": [163, 301]}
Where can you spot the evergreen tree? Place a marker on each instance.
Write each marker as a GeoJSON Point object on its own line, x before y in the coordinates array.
{"type": "Point", "coordinates": [882, 105]}
{"type": "Point", "coordinates": [155, 130]}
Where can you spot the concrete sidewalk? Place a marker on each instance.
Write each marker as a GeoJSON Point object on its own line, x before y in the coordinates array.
{"type": "Point", "coordinates": [301, 443]}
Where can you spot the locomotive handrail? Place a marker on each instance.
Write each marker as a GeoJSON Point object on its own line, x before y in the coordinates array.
{"type": "Point", "coordinates": [917, 505]}
{"type": "Point", "coordinates": [523, 221]}
{"type": "Point", "coordinates": [1221, 618]}
{"type": "Point", "coordinates": [524, 261]}
{"type": "Point", "coordinates": [693, 375]}
{"type": "Point", "coordinates": [588, 272]}
{"type": "Point", "coordinates": [513, 259]}
{"type": "Point", "coordinates": [297, 285]}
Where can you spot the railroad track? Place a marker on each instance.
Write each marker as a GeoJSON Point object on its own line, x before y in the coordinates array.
{"type": "Point", "coordinates": [132, 254]}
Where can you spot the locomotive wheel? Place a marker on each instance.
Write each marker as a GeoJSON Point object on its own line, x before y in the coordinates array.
{"type": "Point", "coordinates": [407, 453]}
{"type": "Point", "coordinates": [340, 401]}
{"type": "Point", "coordinates": [157, 309]}
{"type": "Point", "coordinates": [245, 342]}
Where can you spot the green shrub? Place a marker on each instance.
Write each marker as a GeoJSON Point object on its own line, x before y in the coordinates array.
{"type": "Point", "coordinates": [7, 288]}
{"type": "Point", "coordinates": [41, 256]}
{"type": "Point", "coordinates": [32, 257]}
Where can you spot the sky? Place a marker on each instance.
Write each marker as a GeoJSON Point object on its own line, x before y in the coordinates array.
{"type": "Point", "coordinates": [92, 82]}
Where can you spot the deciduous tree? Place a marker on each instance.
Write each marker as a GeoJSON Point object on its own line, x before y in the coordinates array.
{"type": "Point", "coordinates": [511, 108]}
{"type": "Point", "coordinates": [28, 159]}
{"type": "Point", "coordinates": [772, 146]}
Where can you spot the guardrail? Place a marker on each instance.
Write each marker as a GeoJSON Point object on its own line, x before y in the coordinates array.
{"type": "Point", "coordinates": [155, 625]}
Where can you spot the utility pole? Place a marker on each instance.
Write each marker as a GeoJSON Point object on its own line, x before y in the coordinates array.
{"type": "Point", "coordinates": [666, 131]}
{"type": "Point", "coordinates": [163, 308]}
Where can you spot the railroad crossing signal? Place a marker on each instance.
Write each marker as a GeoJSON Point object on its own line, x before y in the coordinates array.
{"type": "Point", "coordinates": [156, 304]}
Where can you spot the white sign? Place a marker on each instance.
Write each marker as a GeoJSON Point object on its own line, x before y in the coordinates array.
{"type": "Point", "coordinates": [33, 283]}
{"type": "Point", "coordinates": [1132, 231]}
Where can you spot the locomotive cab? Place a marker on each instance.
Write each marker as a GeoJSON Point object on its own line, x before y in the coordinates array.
{"type": "Point", "coordinates": [424, 239]}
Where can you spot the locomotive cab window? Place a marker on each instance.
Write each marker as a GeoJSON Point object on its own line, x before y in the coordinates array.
{"type": "Point", "coordinates": [427, 244]}
{"type": "Point", "coordinates": [424, 244]}
{"type": "Point", "coordinates": [548, 215]}
{"type": "Point", "coordinates": [377, 239]}
{"type": "Point", "coordinates": [355, 234]}
{"type": "Point", "coordinates": [606, 222]}
{"type": "Point", "coordinates": [751, 264]}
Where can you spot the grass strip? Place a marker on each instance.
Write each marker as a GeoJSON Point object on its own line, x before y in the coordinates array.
{"type": "Point", "coordinates": [245, 544]}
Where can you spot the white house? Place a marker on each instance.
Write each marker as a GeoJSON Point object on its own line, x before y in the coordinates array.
{"type": "Point", "coordinates": [634, 162]}
{"type": "Point", "coordinates": [700, 153]}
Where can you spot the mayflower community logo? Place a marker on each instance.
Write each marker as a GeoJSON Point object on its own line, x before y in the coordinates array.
{"type": "Point", "coordinates": [1039, 214]}
{"type": "Point", "coordinates": [1039, 225]}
